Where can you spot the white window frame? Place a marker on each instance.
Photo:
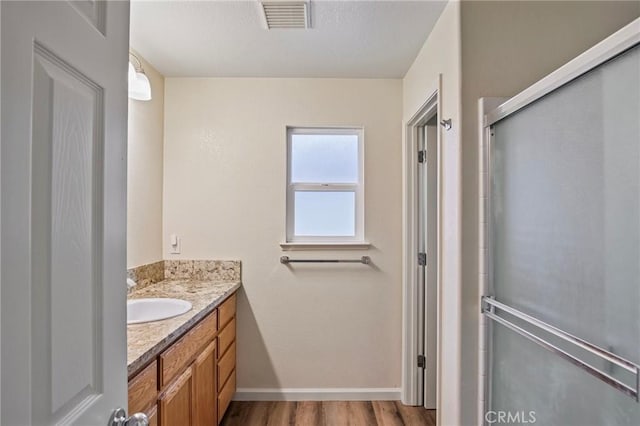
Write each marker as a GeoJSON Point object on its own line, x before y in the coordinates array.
{"type": "Point", "coordinates": [357, 187]}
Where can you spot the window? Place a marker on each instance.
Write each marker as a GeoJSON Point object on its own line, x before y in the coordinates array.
{"type": "Point", "coordinates": [325, 194]}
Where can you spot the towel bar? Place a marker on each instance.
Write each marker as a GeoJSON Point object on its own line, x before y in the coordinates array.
{"type": "Point", "coordinates": [365, 260]}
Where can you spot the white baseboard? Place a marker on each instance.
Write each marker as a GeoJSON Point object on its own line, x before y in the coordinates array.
{"type": "Point", "coordinates": [317, 394]}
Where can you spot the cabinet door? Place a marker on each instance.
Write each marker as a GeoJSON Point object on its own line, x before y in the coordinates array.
{"type": "Point", "coordinates": [176, 404]}
{"type": "Point", "coordinates": [153, 416]}
{"type": "Point", "coordinates": [143, 389]}
{"type": "Point", "coordinates": [206, 398]}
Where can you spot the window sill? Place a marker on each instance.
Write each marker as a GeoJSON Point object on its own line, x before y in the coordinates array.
{"type": "Point", "coordinates": [356, 245]}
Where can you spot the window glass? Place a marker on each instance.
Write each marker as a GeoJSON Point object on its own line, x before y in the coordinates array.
{"type": "Point", "coordinates": [324, 213]}
{"type": "Point", "coordinates": [324, 158]}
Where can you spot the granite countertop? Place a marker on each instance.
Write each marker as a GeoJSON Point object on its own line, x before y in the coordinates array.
{"type": "Point", "coordinates": [145, 341]}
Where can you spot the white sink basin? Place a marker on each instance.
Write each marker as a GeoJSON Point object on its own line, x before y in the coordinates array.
{"type": "Point", "coordinates": [147, 310]}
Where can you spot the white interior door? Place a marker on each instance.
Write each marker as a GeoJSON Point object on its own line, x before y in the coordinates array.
{"type": "Point", "coordinates": [422, 266]}
{"type": "Point", "coordinates": [427, 273]}
{"type": "Point", "coordinates": [430, 184]}
{"type": "Point", "coordinates": [63, 214]}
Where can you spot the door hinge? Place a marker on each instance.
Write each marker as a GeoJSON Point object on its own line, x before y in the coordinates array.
{"type": "Point", "coordinates": [422, 155]}
{"type": "Point", "coordinates": [422, 361]}
{"type": "Point", "coordinates": [422, 259]}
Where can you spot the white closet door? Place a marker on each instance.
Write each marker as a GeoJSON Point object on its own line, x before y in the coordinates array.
{"type": "Point", "coordinates": [63, 153]}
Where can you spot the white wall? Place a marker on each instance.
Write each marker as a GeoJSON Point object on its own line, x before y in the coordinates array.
{"type": "Point", "coordinates": [506, 47]}
{"type": "Point", "coordinates": [441, 55]}
{"type": "Point", "coordinates": [144, 179]}
{"type": "Point", "coordinates": [305, 326]}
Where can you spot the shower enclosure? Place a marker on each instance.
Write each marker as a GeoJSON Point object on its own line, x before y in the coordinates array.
{"type": "Point", "coordinates": [560, 307]}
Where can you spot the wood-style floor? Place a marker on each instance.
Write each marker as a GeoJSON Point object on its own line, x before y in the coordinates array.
{"type": "Point", "coordinates": [327, 413]}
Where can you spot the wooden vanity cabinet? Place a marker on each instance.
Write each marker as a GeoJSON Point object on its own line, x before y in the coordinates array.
{"type": "Point", "coordinates": [192, 382]}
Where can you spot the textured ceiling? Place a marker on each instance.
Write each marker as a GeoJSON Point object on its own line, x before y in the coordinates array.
{"type": "Point", "coordinates": [364, 39]}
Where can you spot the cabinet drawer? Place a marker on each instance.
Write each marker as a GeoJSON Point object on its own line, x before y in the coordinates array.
{"type": "Point", "coordinates": [143, 389]}
{"type": "Point", "coordinates": [227, 310]}
{"type": "Point", "coordinates": [178, 356]}
{"type": "Point", "coordinates": [226, 364]}
{"type": "Point", "coordinates": [227, 336]}
{"type": "Point", "coordinates": [224, 398]}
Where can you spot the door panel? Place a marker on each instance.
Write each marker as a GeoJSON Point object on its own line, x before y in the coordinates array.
{"type": "Point", "coordinates": [93, 11]}
{"type": "Point", "coordinates": [63, 165]}
{"type": "Point", "coordinates": [66, 232]}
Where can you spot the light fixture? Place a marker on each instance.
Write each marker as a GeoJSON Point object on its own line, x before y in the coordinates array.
{"type": "Point", "coordinates": [139, 86]}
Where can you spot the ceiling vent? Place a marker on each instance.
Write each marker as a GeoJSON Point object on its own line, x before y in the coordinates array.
{"type": "Point", "coordinates": [286, 14]}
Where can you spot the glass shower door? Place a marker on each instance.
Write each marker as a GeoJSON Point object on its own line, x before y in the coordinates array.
{"type": "Point", "coordinates": [565, 248]}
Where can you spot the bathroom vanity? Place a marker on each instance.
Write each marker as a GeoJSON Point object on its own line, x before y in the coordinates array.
{"type": "Point", "coordinates": [182, 370]}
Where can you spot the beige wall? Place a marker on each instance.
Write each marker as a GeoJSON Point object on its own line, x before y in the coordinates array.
{"type": "Point", "coordinates": [306, 326]}
{"type": "Point", "coordinates": [144, 180]}
{"type": "Point", "coordinates": [507, 46]}
{"type": "Point", "coordinates": [441, 56]}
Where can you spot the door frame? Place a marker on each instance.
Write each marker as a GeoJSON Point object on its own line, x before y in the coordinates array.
{"type": "Point", "coordinates": [410, 314]}
{"type": "Point", "coordinates": [0, 215]}
{"type": "Point", "coordinates": [485, 105]}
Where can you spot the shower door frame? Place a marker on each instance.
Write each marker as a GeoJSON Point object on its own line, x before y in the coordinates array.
{"type": "Point", "coordinates": [622, 40]}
